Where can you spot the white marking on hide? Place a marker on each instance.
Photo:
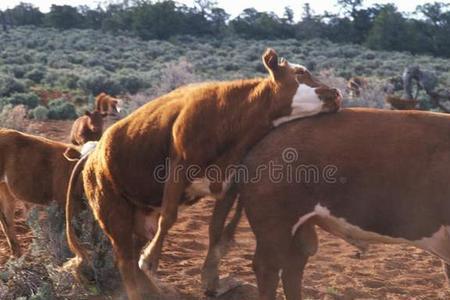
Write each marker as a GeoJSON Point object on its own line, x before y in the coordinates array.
{"type": "Point", "coordinates": [301, 221]}
{"type": "Point", "coordinates": [88, 148]}
{"type": "Point", "coordinates": [305, 103]}
{"type": "Point", "coordinates": [438, 244]}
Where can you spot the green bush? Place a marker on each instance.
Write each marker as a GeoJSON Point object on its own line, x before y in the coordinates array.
{"type": "Point", "coordinates": [36, 75]}
{"type": "Point", "coordinates": [40, 113]}
{"type": "Point", "coordinates": [28, 99]}
{"type": "Point", "coordinates": [131, 83]}
{"type": "Point", "coordinates": [60, 109]}
{"type": "Point", "coordinates": [96, 83]}
{"type": "Point", "coordinates": [9, 85]}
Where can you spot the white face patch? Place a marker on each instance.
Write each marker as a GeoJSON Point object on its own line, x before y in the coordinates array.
{"type": "Point", "coordinates": [119, 105]}
{"type": "Point", "coordinates": [305, 103]}
{"type": "Point", "coordinates": [438, 244]}
{"type": "Point", "coordinates": [296, 66]}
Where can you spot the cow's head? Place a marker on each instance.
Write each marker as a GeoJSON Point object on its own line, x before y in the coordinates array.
{"type": "Point", "coordinates": [115, 105]}
{"type": "Point", "coordinates": [297, 90]}
{"type": "Point", "coordinates": [95, 121]}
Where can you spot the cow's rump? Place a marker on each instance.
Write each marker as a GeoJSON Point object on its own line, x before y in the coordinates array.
{"type": "Point", "coordinates": [364, 175]}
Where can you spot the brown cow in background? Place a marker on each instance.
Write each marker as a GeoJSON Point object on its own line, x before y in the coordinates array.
{"type": "Point", "coordinates": [107, 104]}
{"type": "Point", "coordinates": [32, 169]}
{"type": "Point", "coordinates": [87, 128]}
{"type": "Point", "coordinates": [356, 85]}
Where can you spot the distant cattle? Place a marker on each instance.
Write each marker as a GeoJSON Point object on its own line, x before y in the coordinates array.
{"type": "Point", "coordinates": [87, 128]}
{"type": "Point", "coordinates": [196, 125]}
{"type": "Point", "coordinates": [393, 84]}
{"type": "Point", "coordinates": [364, 175]}
{"type": "Point", "coordinates": [401, 104]}
{"type": "Point", "coordinates": [34, 170]}
{"type": "Point", "coordinates": [425, 80]}
{"type": "Point", "coordinates": [107, 104]}
{"type": "Point", "coordinates": [356, 85]}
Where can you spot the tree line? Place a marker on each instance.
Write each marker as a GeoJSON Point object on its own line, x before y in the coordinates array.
{"type": "Point", "coordinates": [379, 27]}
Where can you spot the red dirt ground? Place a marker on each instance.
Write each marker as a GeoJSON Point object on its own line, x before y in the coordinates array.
{"type": "Point", "coordinates": [385, 272]}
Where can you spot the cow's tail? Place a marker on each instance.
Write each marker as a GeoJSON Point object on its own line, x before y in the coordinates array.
{"type": "Point", "coordinates": [80, 253]}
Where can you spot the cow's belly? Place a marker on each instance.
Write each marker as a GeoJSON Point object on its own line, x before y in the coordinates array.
{"type": "Point", "coordinates": [438, 243]}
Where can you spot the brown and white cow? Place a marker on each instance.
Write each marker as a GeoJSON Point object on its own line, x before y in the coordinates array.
{"type": "Point", "coordinates": [34, 170]}
{"type": "Point", "coordinates": [366, 184]}
{"type": "Point", "coordinates": [107, 104]}
{"type": "Point", "coordinates": [196, 125]}
{"type": "Point", "coordinates": [401, 104]}
{"type": "Point", "coordinates": [356, 85]}
{"type": "Point", "coordinates": [88, 127]}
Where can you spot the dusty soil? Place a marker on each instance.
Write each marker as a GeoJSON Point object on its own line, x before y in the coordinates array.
{"type": "Point", "coordinates": [385, 272]}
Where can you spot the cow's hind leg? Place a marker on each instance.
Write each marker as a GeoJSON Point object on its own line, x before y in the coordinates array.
{"type": "Point", "coordinates": [116, 218]}
{"type": "Point", "coordinates": [7, 210]}
{"type": "Point", "coordinates": [266, 270]}
{"type": "Point", "coordinates": [220, 238]}
{"type": "Point", "coordinates": [173, 191]}
{"type": "Point", "coordinates": [305, 244]}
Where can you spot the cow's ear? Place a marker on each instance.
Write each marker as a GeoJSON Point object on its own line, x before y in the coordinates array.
{"type": "Point", "coordinates": [72, 154]}
{"type": "Point", "coordinates": [270, 60]}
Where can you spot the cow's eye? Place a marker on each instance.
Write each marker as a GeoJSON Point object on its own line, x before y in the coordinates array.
{"type": "Point", "coordinates": [300, 71]}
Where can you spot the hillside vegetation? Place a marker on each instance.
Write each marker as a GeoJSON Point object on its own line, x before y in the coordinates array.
{"type": "Point", "coordinates": [39, 65]}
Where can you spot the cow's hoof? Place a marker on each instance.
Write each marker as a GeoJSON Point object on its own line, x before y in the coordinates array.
{"type": "Point", "coordinates": [82, 272]}
{"type": "Point", "coordinates": [16, 253]}
{"type": "Point", "coordinates": [224, 286]}
{"type": "Point", "coordinates": [245, 291]}
{"type": "Point", "coordinates": [169, 292]}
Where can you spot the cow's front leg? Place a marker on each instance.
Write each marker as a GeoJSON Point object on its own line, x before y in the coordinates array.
{"type": "Point", "coordinates": [173, 190]}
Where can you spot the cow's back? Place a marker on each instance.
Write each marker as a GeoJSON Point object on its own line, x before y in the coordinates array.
{"type": "Point", "coordinates": [34, 167]}
{"type": "Point", "coordinates": [385, 171]}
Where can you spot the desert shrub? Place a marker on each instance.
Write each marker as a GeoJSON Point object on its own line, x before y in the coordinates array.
{"type": "Point", "coordinates": [36, 75]}
{"type": "Point", "coordinates": [68, 80]}
{"type": "Point", "coordinates": [17, 70]}
{"type": "Point", "coordinates": [131, 83]}
{"type": "Point", "coordinates": [50, 239]}
{"type": "Point", "coordinates": [60, 109]}
{"type": "Point", "coordinates": [29, 99]}
{"type": "Point", "coordinates": [14, 117]}
{"type": "Point", "coordinates": [9, 85]}
{"type": "Point", "coordinates": [175, 74]}
{"type": "Point", "coordinates": [51, 78]}
{"type": "Point", "coordinates": [95, 83]}
{"type": "Point", "coordinates": [40, 113]}
{"type": "Point", "coordinates": [373, 96]}
{"type": "Point", "coordinates": [26, 279]}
